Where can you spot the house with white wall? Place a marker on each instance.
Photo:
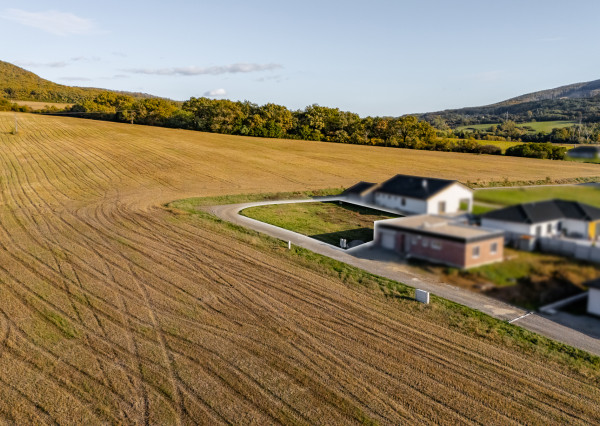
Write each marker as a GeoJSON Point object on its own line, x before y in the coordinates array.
{"type": "Point", "coordinates": [410, 195]}
{"type": "Point", "coordinates": [551, 218]}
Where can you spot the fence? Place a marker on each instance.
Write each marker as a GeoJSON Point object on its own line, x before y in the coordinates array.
{"type": "Point", "coordinates": [581, 250]}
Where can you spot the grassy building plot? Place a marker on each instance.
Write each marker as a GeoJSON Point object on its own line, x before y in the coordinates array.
{"type": "Point", "coordinates": [327, 222]}
{"type": "Point", "coordinates": [589, 194]}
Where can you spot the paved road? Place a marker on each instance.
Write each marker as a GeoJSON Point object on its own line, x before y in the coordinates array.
{"type": "Point", "coordinates": [387, 264]}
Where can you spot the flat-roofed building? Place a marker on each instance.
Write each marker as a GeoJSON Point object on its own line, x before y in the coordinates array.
{"type": "Point", "coordinates": [441, 240]}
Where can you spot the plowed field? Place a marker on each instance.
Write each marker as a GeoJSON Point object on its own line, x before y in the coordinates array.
{"type": "Point", "coordinates": [113, 311]}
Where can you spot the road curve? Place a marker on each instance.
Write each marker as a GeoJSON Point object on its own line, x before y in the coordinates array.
{"type": "Point", "coordinates": [382, 264]}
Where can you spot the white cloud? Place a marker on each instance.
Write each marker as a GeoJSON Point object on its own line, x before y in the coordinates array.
{"type": "Point", "coordinates": [51, 21]}
{"type": "Point", "coordinates": [215, 93]}
{"type": "Point", "coordinates": [215, 70]}
{"type": "Point", "coordinates": [57, 64]}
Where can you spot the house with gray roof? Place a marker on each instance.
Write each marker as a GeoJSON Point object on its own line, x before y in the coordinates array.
{"type": "Point", "coordinates": [411, 195]}
{"type": "Point", "coordinates": [551, 218]}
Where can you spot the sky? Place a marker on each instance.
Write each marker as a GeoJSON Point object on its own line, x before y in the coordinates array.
{"type": "Point", "coordinates": [379, 58]}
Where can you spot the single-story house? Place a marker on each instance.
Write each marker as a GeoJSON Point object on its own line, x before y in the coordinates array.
{"type": "Point", "coordinates": [441, 240]}
{"type": "Point", "coordinates": [591, 152]}
{"type": "Point", "coordinates": [551, 218]}
{"type": "Point", "coordinates": [414, 195]}
{"type": "Point", "coordinates": [593, 306]}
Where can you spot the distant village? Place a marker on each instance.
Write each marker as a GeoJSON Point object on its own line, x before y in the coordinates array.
{"type": "Point", "coordinates": [437, 225]}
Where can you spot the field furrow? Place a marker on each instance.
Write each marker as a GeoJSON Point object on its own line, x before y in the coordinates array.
{"type": "Point", "coordinates": [113, 310]}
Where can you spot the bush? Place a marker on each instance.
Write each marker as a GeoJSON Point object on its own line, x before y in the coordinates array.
{"type": "Point", "coordinates": [538, 150]}
{"type": "Point", "coordinates": [490, 149]}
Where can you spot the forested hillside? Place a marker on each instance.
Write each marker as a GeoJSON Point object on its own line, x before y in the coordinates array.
{"type": "Point", "coordinates": [20, 84]}
{"type": "Point", "coordinates": [580, 102]}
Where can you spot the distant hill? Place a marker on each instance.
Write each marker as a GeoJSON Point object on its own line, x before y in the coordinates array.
{"type": "Point", "coordinates": [572, 102]}
{"type": "Point", "coordinates": [19, 84]}
{"type": "Point", "coordinates": [588, 89]}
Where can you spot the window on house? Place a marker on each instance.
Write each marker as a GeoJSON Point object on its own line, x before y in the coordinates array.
{"type": "Point", "coordinates": [538, 230]}
{"type": "Point", "coordinates": [476, 252]}
{"type": "Point", "coordinates": [436, 245]}
{"type": "Point", "coordinates": [559, 226]}
{"type": "Point", "coordinates": [549, 228]}
{"type": "Point", "coordinates": [494, 248]}
{"type": "Point", "coordinates": [425, 242]}
{"type": "Point", "coordinates": [414, 240]}
{"type": "Point", "coordinates": [403, 201]}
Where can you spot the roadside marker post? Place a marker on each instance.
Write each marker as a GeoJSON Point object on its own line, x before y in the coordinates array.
{"type": "Point", "coordinates": [289, 245]}
{"type": "Point", "coordinates": [422, 296]}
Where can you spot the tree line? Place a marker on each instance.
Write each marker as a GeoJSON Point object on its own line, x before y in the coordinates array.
{"type": "Point", "coordinates": [315, 123]}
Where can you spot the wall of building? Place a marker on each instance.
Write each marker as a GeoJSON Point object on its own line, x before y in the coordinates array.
{"type": "Point", "coordinates": [439, 250]}
{"type": "Point", "coordinates": [486, 255]}
{"type": "Point", "coordinates": [452, 196]}
{"type": "Point", "coordinates": [411, 205]}
{"type": "Point", "coordinates": [434, 249]}
{"type": "Point", "coordinates": [594, 301]}
{"type": "Point", "coordinates": [576, 228]}
{"type": "Point", "coordinates": [514, 230]}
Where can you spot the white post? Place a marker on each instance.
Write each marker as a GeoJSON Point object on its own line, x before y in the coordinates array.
{"type": "Point", "coordinates": [422, 296]}
{"type": "Point", "coordinates": [289, 245]}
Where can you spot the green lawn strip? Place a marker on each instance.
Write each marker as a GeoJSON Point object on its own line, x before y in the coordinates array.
{"type": "Point", "coordinates": [441, 311]}
{"type": "Point", "coordinates": [327, 222]}
{"type": "Point", "coordinates": [535, 126]}
{"type": "Point", "coordinates": [479, 209]}
{"type": "Point", "coordinates": [585, 194]}
{"type": "Point", "coordinates": [194, 203]}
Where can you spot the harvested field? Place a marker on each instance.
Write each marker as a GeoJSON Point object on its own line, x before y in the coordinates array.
{"type": "Point", "coordinates": [113, 310]}
{"type": "Point", "coordinates": [36, 105]}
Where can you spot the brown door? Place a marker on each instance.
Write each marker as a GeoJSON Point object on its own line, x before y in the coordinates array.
{"type": "Point", "coordinates": [442, 207]}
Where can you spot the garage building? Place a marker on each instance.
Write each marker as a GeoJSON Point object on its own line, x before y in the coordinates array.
{"type": "Point", "coordinates": [441, 240]}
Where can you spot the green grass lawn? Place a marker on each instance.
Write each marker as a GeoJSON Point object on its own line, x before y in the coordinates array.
{"type": "Point", "coordinates": [586, 194]}
{"type": "Point", "coordinates": [536, 126]}
{"type": "Point", "coordinates": [327, 222]}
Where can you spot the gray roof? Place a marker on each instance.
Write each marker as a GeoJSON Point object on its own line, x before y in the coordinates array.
{"type": "Point", "coordinates": [414, 186]}
{"type": "Point", "coordinates": [593, 284]}
{"type": "Point", "coordinates": [545, 211]}
{"type": "Point", "coordinates": [359, 188]}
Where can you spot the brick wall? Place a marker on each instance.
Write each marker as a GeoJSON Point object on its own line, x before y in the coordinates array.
{"type": "Point", "coordinates": [453, 253]}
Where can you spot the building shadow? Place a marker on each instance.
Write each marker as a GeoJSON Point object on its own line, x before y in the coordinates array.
{"type": "Point", "coordinates": [357, 234]}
